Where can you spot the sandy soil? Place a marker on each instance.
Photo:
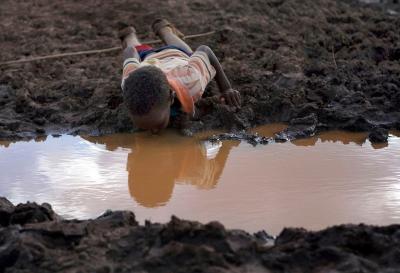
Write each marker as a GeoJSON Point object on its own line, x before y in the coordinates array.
{"type": "Point", "coordinates": [315, 64]}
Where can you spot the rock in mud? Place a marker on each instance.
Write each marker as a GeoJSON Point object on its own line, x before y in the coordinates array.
{"type": "Point", "coordinates": [299, 128]}
{"type": "Point", "coordinates": [6, 209]}
{"type": "Point", "coordinates": [378, 135]}
{"type": "Point", "coordinates": [253, 139]}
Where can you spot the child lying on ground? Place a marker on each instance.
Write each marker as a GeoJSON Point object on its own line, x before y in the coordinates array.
{"type": "Point", "coordinates": [153, 78]}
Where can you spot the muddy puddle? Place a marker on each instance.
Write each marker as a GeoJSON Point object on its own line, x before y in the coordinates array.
{"type": "Point", "coordinates": [334, 178]}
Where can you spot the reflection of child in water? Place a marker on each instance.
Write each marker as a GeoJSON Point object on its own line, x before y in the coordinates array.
{"type": "Point", "coordinates": [154, 169]}
{"type": "Point", "coordinates": [152, 184]}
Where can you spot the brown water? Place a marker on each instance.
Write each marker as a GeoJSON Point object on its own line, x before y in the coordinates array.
{"type": "Point", "coordinates": [334, 178]}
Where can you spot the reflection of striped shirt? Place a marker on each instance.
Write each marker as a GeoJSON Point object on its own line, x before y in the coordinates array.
{"type": "Point", "coordinates": [188, 76]}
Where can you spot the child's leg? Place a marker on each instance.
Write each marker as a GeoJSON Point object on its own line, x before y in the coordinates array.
{"type": "Point", "coordinates": [132, 40]}
{"type": "Point", "coordinates": [129, 38]}
{"type": "Point", "coordinates": [170, 38]}
{"type": "Point", "coordinates": [129, 42]}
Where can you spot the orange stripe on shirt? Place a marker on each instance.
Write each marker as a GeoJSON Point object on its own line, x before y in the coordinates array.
{"type": "Point", "coordinates": [183, 95]}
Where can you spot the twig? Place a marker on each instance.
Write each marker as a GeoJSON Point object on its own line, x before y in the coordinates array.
{"type": "Point", "coordinates": [96, 51]}
{"type": "Point", "coordinates": [334, 58]}
{"type": "Point", "coordinates": [39, 58]}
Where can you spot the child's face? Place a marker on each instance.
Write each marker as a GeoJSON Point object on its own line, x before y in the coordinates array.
{"type": "Point", "coordinates": [156, 120]}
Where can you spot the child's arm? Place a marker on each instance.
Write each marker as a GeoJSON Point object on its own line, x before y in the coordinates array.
{"type": "Point", "coordinates": [231, 96]}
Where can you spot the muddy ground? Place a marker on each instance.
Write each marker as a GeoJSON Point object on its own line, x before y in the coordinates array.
{"type": "Point", "coordinates": [316, 65]}
{"type": "Point", "coordinates": [35, 239]}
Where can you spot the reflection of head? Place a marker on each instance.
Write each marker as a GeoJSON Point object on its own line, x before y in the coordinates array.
{"type": "Point", "coordinates": [151, 166]}
{"type": "Point", "coordinates": [152, 173]}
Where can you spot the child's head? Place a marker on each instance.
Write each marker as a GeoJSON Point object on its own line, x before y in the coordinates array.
{"type": "Point", "coordinates": [148, 97]}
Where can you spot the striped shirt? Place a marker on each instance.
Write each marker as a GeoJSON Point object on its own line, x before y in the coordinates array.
{"type": "Point", "coordinates": [187, 76]}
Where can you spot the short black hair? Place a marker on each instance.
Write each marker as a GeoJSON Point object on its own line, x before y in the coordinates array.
{"type": "Point", "coordinates": [145, 87]}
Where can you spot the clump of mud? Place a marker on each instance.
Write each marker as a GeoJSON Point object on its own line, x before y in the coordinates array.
{"type": "Point", "coordinates": [334, 61]}
{"type": "Point", "coordinates": [35, 239]}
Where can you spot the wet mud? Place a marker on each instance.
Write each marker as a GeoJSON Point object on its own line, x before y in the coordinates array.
{"type": "Point", "coordinates": [316, 65]}
{"type": "Point", "coordinates": [253, 139]}
{"type": "Point", "coordinates": [34, 238]}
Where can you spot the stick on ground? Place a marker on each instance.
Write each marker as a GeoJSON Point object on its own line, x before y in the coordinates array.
{"type": "Point", "coordinates": [95, 51]}
{"type": "Point", "coordinates": [334, 57]}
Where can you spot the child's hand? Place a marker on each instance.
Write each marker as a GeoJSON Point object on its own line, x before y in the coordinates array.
{"type": "Point", "coordinates": [231, 97]}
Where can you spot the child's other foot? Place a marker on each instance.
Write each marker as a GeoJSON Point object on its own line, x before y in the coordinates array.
{"type": "Point", "coordinates": [125, 31]}
{"type": "Point", "coordinates": [160, 24]}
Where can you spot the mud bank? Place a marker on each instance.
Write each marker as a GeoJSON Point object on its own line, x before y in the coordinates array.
{"type": "Point", "coordinates": [34, 238]}
{"type": "Point", "coordinates": [317, 65]}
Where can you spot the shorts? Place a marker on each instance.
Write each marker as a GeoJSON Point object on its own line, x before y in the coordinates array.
{"type": "Point", "coordinates": [145, 50]}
